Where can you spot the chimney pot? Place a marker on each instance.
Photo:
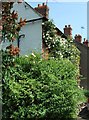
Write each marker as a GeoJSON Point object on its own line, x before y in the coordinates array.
{"type": "Point", "coordinates": [69, 26]}
{"type": "Point", "coordinates": [43, 10]}
{"type": "Point", "coordinates": [76, 35]}
{"type": "Point", "coordinates": [84, 39]}
{"type": "Point", "coordinates": [85, 42]}
{"type": "Point", "coordinates": [20, 1]}
{"type": "Point", "coordinates": [38, 5]}
{"type": "Point", "coordinates": [65, 26]}
{"type": "Point", "coordinates": [43, 4]}
{"type": "Point", "coordinates": [78, 38]}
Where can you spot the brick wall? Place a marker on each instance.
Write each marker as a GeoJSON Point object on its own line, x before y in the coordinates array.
{"type": "Point", "coordinates": [43, 10]}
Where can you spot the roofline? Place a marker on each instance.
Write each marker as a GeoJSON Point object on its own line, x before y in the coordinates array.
{"type": "Point", "coordinates": [34, 20]}
{"type": "Point", "coordinates": [81, 44]}
{"type": "Point", "coordinates": [33, 9]}
{"type": "Point", "coordinates": [43, 18]}
{"type": "Point", "coordinates": [62, 34]}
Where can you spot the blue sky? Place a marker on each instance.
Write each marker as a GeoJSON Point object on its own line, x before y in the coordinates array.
{"type": "Point", "coordinates": [68, 13]}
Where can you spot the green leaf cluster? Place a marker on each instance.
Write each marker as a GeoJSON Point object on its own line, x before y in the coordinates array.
{"type": "Point", "coordinates": [38, 89]}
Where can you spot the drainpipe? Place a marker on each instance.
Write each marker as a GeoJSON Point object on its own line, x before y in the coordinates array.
{"type": "Point", "coordinates": [18, 41]}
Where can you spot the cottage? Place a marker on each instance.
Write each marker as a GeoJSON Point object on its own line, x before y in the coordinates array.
{"type": "Point", "coordinates": [30, 36]}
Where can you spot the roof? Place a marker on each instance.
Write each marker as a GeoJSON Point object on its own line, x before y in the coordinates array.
{"type": "Point", "coordinates": [80, 45]}
{"type": "Point", "coordinates": [61, 33]}
{"type": "Point", "coordinates": [34, 10]}
{"type": "Point", "coordinates": [45, 19]}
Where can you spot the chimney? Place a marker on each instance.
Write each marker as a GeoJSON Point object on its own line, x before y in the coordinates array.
{"type": "Point", "coordinates": [20, 1]}
{"type": "Point", "coordinates": [43, 10]}
{"type": "Point", "coordinates": [85, 42]}
{"type": "Point", "coordinates": [68, 31]}
{"type": "Point", "coordinates": [78, 38]}
{"type": "Point", "coordinates": [39, 5]}
{"type": "Point", "coordinates": [43, 4]}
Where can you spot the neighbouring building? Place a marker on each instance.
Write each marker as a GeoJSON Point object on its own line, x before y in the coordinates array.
{"type": "Point", "coordinates": [84, 60]}
{"type": "Point", "coordinates": [84, 56]}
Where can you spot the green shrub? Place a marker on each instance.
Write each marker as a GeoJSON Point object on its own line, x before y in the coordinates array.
{"type": "Point", "coordinates": [37, 89]}
{"type": "Point", "coordinates": [86, 93]}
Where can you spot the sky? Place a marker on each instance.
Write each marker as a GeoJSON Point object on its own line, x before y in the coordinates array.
{"type": "Point", "coordinates": [67, 13]}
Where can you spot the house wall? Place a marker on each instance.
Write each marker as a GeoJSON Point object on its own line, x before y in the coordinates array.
{"type": "Point", "coordinates": [25, 11]}
{"type": "Point", "coordinates": [33, 38]}
{"type": "Point", "coordinates": [6, 43]}
{"type": "Point", "coordinates": [32, 30]}
{"type": "Point", "coordinates": [84, 64]}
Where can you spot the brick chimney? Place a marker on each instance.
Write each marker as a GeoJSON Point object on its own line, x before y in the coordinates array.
{"type": "Point", "coordinates": [78, 38]}
{"type": "Point", "coordinates": [86, 42]}
{"type": "Point", "coordinates": [20, 1]}
{"type": "Point", "coordinates": [68, 31]}
{"type": "Point", "coordinates": [43, 10]}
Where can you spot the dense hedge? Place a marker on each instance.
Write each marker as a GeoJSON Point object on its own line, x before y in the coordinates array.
{"type": "Point", "coordinates": [86, 93]}
{"type": "Point", "coordinates": [37, 89]}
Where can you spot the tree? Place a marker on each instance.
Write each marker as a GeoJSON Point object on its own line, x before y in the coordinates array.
{"type": "Point", "coordinates": [10, 26]}
{"type": "Point", "coordinates": [10, 32]}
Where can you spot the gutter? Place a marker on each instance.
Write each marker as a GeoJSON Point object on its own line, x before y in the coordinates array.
{"type": "Point", "coordinates": [33, 20]}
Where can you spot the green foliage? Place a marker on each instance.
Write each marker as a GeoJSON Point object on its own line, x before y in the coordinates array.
{"type": "Point", "coordinates": [37, 89]}
{"type": "Point", "coordinates": [86, 93]}
{"type": "Point", "coordinates": [10, 23]}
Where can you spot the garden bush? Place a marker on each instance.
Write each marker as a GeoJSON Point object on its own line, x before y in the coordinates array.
{"type": "Point", "coordinates": [86, 93]}
{"type": "Point", "coordinates": [38, 89]}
